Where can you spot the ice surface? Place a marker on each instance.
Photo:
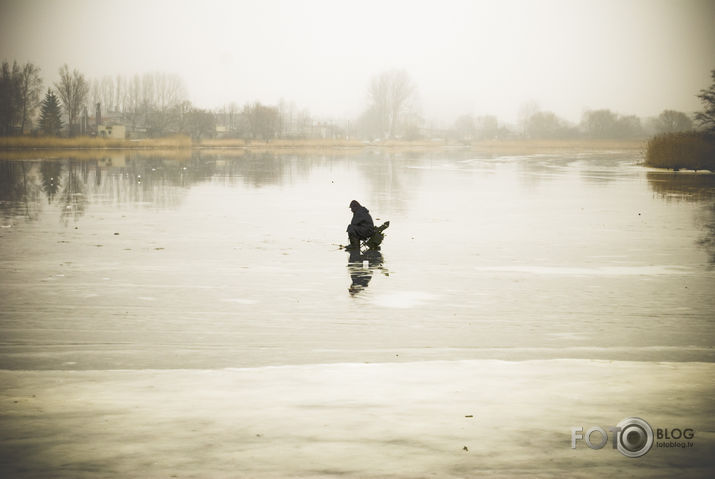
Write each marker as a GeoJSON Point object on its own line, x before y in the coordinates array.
{"type": "Point", "coordinates": [223, 333]}
{"type": "Point", "coordinates": [401, 420]}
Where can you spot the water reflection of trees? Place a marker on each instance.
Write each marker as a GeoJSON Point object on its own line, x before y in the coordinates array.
{"type": "Point", "coordinates": [161, 180]}
{"type": "Point", "coordinates": [259, 168]}
{"type": "Point", "coordinates": [708, 240]}
{"type": "Point", "coordinates": [73, 198]}
{"type": "Point", "coordinates": [50, 172]}
{"type": "Point", "coordinates": [390, 179]}
{"type": "Point", "coordinates": [682, 187]}
{"type": "Point", "coordinates": [19, 190]}
{"type": "Point", "coordinates": [151, 180]}
{"type": "Point", "coordinates": [698, 188]}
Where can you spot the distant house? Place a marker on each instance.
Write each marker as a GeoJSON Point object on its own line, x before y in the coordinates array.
{"type": "Point", "coordinates": [112, 131]}
{"type": "Point", "coordinates": [108, 124]}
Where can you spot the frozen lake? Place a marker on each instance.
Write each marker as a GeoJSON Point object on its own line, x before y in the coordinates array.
{"type": "Point", "coordinates": [227, 263]}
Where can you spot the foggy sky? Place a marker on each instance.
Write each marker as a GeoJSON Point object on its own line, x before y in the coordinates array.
{"type": "Point", "coordinates": [632, 56]}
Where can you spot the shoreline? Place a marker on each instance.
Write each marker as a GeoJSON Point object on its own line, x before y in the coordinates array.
{"type": "Point", "coordinates": [94, 148]}
{"type": "Point", "coordinates": [181, 143]}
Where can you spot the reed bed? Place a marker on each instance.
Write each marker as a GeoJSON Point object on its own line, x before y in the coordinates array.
{"type": "Point", "coordinates": [682, 151]}
{"type": "Point", "coordinates": [27, 143]}
{"type": "Point", "coordinates": [86, 142]}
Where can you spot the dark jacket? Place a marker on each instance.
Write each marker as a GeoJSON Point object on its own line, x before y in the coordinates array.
{"type": "Point", "coordinates": [361, 224]}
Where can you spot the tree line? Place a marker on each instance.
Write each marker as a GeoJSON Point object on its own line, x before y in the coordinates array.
{"type": "Point", "coordinates": [594, 124]}
{"type": "Point", "coordinates": [694, 150]}
{"type": "Point", "coordinates": [152, 104]}
{"type": "Point", "coordinates": [156, 105]}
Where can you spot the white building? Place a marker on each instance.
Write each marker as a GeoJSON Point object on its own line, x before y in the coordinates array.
{"type": "Point", "coordinates": [112, 131]}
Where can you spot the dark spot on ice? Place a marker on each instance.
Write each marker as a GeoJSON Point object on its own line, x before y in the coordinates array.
{"type": "Point", "coordinates": [99, 245]}
{"type": "Point", "coordinates": [469, 415]}
{"type": "Point", "coordinates": [116, 234]}
{"type": "Point", "coordinates": [158, 249]}
{"type": "Point", "coordinates": [465, 448]}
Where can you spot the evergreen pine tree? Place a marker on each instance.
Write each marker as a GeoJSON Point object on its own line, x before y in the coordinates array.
{"type": "Point", "coordinates": [51, 114]}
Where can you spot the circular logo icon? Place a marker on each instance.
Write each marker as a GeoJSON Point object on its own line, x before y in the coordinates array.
{"type": "Point", "coordinates": [635, 437]}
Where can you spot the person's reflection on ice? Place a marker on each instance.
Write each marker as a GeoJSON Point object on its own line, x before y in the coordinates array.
{"type": "Point", "coordinates": [361, 267]}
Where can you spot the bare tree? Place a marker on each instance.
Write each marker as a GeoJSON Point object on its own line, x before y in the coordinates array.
{"type": "Point", "coordinates": [671, 121]}
{"type": "Point", "coordinates": [600, 124]}
{"type": "Point", "coordinates": [304, 123]}
{"type": "Point", "coordinates": [132, 103]}
{"type": "Point", "coordinates": [9, 111]}
{"type": "Point", "coordinates": [262, 121]}
{"type": "Point", "coordinates": [197, 122]}
{"type": "Point", "coordinates": [285, 118]}
{"type": "Point", "coordinates": [487, 127]}
{"type": "Point", "coordinates": [545, 125]}
{"type": "Point", "coordinates": [390, 95]}
{"type": "Point", "coordinates": [379, 98]}
{"type": "Point", "coordinates": [95, 95]}
{"type": "Point", "coordinates": [147, 91]}
{"type": "Point", "coordinates": [401, 90]}
{"type": "Point", "coordinates": [150, 101]}
{"type": "Point", "coordinates": [169, 90]}
{"type": "Point", "coordinates": [232, 113]}
{"type": "Point", "coordinates": [706, 118]}
{"type": "Point", "coordinates": [106, 94]}
{"type": "Point", "coordinates": [72, 90]}
{"type": "Point", "coordinates": [464, 128]}
{"type": "Point", "coordinates": [29, 86]}
{"type": "Point", "coordinates": [526, 111]}
{"type": "Point", "coordinates": [120, 94]}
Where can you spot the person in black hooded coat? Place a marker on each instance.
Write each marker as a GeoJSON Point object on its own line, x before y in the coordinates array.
{"type": "Point", "coordinates": [361, 227]}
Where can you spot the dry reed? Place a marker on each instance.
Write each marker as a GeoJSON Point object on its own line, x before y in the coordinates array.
{"type": "Point", "coordinates": [688, 150]}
